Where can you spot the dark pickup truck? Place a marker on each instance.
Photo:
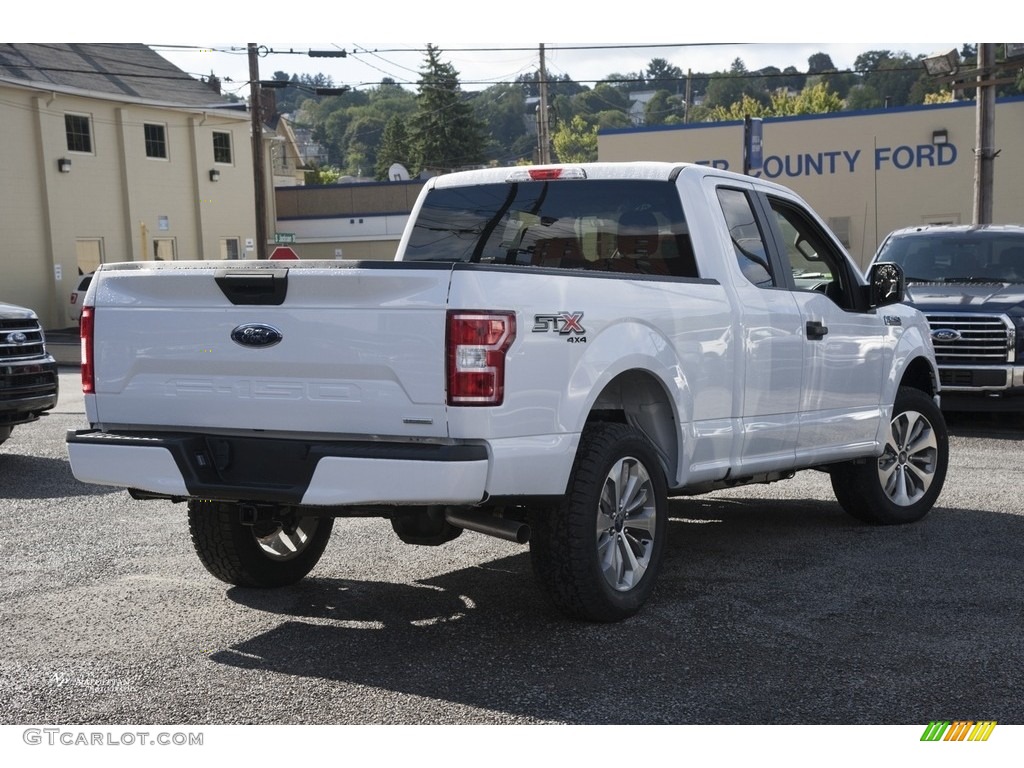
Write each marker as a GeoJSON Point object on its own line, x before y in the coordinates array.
{"type": "Point", "coordinates": [969, 283]}
{"type": "Point", "coordinates": [28, 374]}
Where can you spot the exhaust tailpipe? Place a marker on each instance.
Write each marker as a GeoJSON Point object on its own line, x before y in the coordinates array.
{"type": "Point", "coordinates": [510, 530]}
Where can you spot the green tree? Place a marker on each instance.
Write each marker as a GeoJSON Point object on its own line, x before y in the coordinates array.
{"type": "Point", "coordinates": [892, 75]}
{"type": "Point", "coordinates": [813, 100]}
{"type": "Point", "coordinates": [394, 148]}
{"type": "Point", "coordinates": [360, 140]}
{"type": "Point", "coordinates": [575, 142]}
{"type": "Point", "coordinates": [728, 88]}
{"type": "Point", "coordinates": [664, 76]}
{"type": "Point", "coordinates": [863, 97]}
{"type": "Point", "coordinates": [820, 69]}
{"type": "Point", "coordinates": [502, 110]}
{"type": "Point", "coordinates": [793, 79]}
{"type": "Point", "coordinates": [747, 106]}
{"type": "Point", "coordinates": [601, 98]}
{"type": "Point", "coordinates": [445, 133]}
{"type": "Point", "coordinates": [820, 62]}
{"type": "Point", "coordinates": [664, 108]}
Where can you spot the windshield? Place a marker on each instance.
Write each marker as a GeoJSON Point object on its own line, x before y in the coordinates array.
{"type": "Point", "coordinates": [621, 226]}
{"type": "Point", "coordinates": [970, 257]}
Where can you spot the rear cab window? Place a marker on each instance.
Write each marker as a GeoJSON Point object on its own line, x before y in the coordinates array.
{"type": "Point", "coordinates": [627, 226]}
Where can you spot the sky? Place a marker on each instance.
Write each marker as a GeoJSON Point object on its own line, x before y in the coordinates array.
{"type": "Point", "coordinates": [482, 64]}
{"type": "Point", "coordinates": [488, 43]}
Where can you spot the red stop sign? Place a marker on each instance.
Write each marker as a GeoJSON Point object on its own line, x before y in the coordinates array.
{"type": "Point", "coordinates": [284, 252]}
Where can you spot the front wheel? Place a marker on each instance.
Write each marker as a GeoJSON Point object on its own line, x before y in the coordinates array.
{"type": "Point", "coordinates": [264, 554]}
{"type": "Point", "coordinates": [598, 553]}
{"type": "Point", "coordinates": [902, 484]}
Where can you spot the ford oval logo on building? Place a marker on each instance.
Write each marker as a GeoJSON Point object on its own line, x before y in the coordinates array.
{"type": "Point", "coordinates": [256, 335]}
{"type": "Point", "coordinates": [946, 334]}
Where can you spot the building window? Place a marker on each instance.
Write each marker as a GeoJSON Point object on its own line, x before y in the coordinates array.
{"type": "Point", "coordinates": [156, 140]}
{"type": "Point", "coordinates": [89, 254]}
{"type": "Point", "coordinates": [79, 133]}
{"type": "Point", "coordinates": [163, 249]}
{"type": "Point", "coordinates": [229, 248]}
{"type": "Point", "coordinates": [221, 147]}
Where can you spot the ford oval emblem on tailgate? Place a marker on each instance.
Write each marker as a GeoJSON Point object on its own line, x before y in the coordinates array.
{"type": "Point", "coordinates": [256, 335]}
{"type": "Point", "coordinates": [946, 334]}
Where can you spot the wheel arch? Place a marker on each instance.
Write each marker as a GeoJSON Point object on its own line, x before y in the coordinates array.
{"type": "Point", "coordinates": [640, 399]}
{"type": "Point", "coordinates": [920, 374]}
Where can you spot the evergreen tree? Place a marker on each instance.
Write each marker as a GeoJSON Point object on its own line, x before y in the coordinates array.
{"type": "Point", "coordinates": [728, 88]}
{"type": "Point", "coordinates": [445, 134]}
{"type": "Point", "coordinates": [664, 76]}
{"type": "Point", "coordinates": [394, 148]}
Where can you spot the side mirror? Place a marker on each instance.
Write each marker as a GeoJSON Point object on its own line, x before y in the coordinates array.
{"type": "Point", "coordinates": [886, 284]}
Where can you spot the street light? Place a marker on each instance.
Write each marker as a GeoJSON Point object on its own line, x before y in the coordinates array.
{"type": "Point", "coordinates": [939, 64]}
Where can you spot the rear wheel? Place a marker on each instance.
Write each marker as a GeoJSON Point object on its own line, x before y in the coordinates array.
{"type": "Point", "coordinates": [902, 484]}
{"type": "Point", "coordinates": [598, 553]}
{"type": "Point", "coordinates": [265, 554]}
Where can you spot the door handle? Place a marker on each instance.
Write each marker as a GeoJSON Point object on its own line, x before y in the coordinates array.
{"type": "Point", "coordinates": [815, 329]}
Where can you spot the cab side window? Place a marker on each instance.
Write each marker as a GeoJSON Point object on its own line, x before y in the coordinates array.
{"type": "Point", "coordinates": [747, 239]}
{"type": "Point", "coordinates": [815, 262]}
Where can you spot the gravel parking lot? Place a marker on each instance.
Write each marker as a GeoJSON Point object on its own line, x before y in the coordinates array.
{"type": "Point", "coordinates": [774, 608]}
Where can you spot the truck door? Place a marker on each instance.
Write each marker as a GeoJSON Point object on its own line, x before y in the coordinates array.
{"type": "Point", "coordinates": [770, 348]}
{"type": "Point", "coordinates": [845, 349]}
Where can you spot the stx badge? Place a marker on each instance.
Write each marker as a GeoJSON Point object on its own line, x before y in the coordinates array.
{"type": "Point", "coordinates": [564, 323]}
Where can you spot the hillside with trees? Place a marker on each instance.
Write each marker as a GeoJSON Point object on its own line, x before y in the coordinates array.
{"type": "Point", "coordinates": [440, 127]}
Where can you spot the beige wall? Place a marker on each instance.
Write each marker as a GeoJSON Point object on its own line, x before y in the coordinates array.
{"type": "Point", "coordinates": [113, 193]}
{"type": "Point", "coordinates": [879, 169]}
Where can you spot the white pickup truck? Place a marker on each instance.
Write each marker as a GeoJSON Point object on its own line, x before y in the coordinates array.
{"type": "Point", "coordinates": [553, 354]}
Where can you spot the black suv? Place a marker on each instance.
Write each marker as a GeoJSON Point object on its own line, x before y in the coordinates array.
{"type": "Point", "coordinates": [28, 375]}
{"type": "Point", "coordinates": [969, 282]}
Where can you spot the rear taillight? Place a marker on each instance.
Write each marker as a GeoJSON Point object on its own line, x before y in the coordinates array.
{"type": "Point", "coordinates": [85, 331]}
{"type": "Point", "coordinates": [476, 345]}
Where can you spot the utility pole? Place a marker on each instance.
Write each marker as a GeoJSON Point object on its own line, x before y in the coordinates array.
{"type": "Point", "coordinates": [689, 95]}
{"type": "Point", "coordinates": [259, 171]}
{"type": "Point", "coordinates": [543, 137]}
{"type": "Point", "coordinates": [985, 135]}
{"type": "Point", "coordinates": [986, 77]}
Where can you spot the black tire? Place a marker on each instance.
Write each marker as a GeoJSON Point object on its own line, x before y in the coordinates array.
{"type": "Point", "coordinates": [901, 486]}
{"type": "Point", "coordinates": [5, 432]}
{"type": "Point", "coordinates": [598, 553]}
{"type": "Point", "coordinates": [261, 555]}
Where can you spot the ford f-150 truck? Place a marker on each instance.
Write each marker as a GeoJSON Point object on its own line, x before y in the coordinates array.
{"type": "Point", "coordinates": [968, 280]}
{"type": "Point", "coordinates": [554, 352]}
{"type": "Point", "coordinates": [29, 384]}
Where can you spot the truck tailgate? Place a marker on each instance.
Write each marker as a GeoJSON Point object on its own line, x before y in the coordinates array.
{"type": "Point", "coordinates": [318, 348]}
